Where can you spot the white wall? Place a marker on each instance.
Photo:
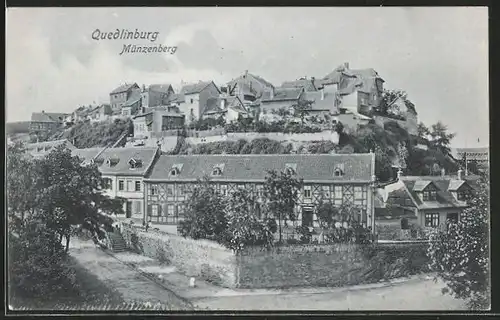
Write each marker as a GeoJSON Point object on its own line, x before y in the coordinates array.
{"type": "Point", "coordinates": [234, 136]}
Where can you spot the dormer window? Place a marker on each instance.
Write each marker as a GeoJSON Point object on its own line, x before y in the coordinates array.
{"type": "Point", "coordinates": [176, 169]}
{"type": "Point", "coordinates": [339, 170]}
{"type": "Point", "coordinates": [217, 170]}
{"type": "Point", "coordinates": [135, 163]}
{"type": "Point", "coordinates": [429, 195]}
{"type": "Point", "coordinates": [291, 168]}
{"type": "Point", "coordinates": [111, 162]}
{"type": "Point", "coordinates": [98, 161]}
{"type": "Point", "coordinates": [462, 195]}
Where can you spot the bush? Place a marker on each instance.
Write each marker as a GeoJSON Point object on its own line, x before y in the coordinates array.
{"type": "Point", "coordinates": [38, 264]}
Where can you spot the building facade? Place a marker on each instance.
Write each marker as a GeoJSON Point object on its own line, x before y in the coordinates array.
{"type": "Point", "coordinates": [426, 201]}
{"type": "Point", "coordinates": [43, 122]}
{"type": "Point", "coordinates": [119, 96]}
{"type": "Point", "coordinates": [192, 101]}
{"type": "Point", "coordinates": [123, 170]}
{"type": "Point", "coordinates": [339, 179]}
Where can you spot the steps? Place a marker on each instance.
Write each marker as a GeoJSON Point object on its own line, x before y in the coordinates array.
{"type": "Point", "coordinates": [118, 244]}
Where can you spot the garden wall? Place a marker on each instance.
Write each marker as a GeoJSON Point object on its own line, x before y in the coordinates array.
{"type": "Point", "coordinates": [284, 266]}
{"type": "Point", "coordinates": [278, 136]}
{"type": "Point", "coordinates": [195, 258]}
{"type": "Point", "coordinates": [328, 265]}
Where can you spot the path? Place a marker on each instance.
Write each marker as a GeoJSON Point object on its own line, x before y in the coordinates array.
{"type": "Point", "coordinates": [419, 294]}
{"type": "Point", "coordinates": [128, 282]}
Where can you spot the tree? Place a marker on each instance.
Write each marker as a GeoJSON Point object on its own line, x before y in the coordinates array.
{"type": "Point", "coordinates": [388, 97]}
{"type": "Point", "coordinates": [423, 131]}
{"type": "Point", "coordinates": [440, 139]}
{"type": "Point", "coordinates": [20, 182]}
{"type": "Point", "coordinates": [459, 254]}
{"type": "Point", "coordinates": [244, 226]}
{"type": "Point", "coordinates": [205, 216]}
{"type": "Point", "coordinates": [281, 195]}
{"type": "Point", "coordinates": [302, 109]}
{"type": "Point", "coordinates": [62, 193]}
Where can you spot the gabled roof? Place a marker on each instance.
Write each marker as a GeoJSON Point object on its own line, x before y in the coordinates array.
{"type": "Point", "coordinates": [445, 198]}
{"type": "Point", "coordinates": [312, 168]}
{"type": "Point", "coordinates": [455, 185]}
{"type": "Point", "coordinates": [233, 102]}
{"type": "Point", "coordinates": [196, 87]}
{"type": "Point", "coordinates": [124, 88]}
{"type": "Point", "coordinates": [328, 102]}
{"type": "Point", "coordinates": [307, 84]}
{"type": "Point", "coordinates": [251, 84]}
{"type": "Point", "coordinates": [282, 94]}
{"type": "Point", "coordinates": [48, 116]}
{"type": "Point", "coordinates": [123, 155]}
{"type": "Point", "coordinates": [420, 185]}
{"type": "Point", "coordinates": [165, 88]}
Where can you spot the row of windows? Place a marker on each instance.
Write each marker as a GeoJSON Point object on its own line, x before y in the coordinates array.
{"type": "Point", "coordinates": [432, 220]}
{"type": "Point", "coordinates": [130, 184]}
{"type": "Point", "coordinates": [335, 193]}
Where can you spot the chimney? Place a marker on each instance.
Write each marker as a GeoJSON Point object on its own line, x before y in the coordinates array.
{"type": "Point", "coordinates": [400, 174]}
{"type": "Point", "coordinates": [322, 90]}
{"type": "Point", "coordinates": [346, 65]}
{"type": "Point", "coordinates": [459, 173]}
{"type": "Point", "coordinates": [246, 74]}
{"type": "Point", "coordinates": [443, 172]}
{"type": "Point", "coordinates": [223, 103]}
{"type": "Point", "coordinates": [271, 94]}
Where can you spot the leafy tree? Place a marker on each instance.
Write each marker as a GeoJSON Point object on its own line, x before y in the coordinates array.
{"type": "Point", "coordinates": [20, 181]}
{"type": "Point", "coordinates": [205, 216]}
{"type": "Point", "coordinates": [326, 212]}
{"type": "Point", "coordinates": [422, 130]}
{"type": "Point", "coordinates": [244, 227]}
{"type": "Point", "coordinates": [459, 254]}
{"type": "Point", "coordinates": [281, 195]}
{"type": "Point", "coordinates": [383, 164]}
{"type": "Point", "coordinates": [62, 193]}
{"type": "Point", "coordinates": [37, 262]}
{"type": "Point", "coordinates": [302, 109]}
{"type": "Point", "coordinates": [388, 97]}
{"type": "Point", "coordinates": [441, 138]}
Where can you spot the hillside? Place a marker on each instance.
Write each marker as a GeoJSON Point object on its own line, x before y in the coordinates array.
{"type": "Point", "coordinates": [94, 134]}
{"type": "Point", "coordinates": [17, 127]}
{"type": "Point", "coordinates": [393, 146]}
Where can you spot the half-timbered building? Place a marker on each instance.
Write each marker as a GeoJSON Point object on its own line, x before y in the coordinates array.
{"type": "Point", "coordinates": [342, 179]}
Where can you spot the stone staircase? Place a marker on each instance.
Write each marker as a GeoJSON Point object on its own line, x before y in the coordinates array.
{"type": "Point", "coordinates": [117, 243]}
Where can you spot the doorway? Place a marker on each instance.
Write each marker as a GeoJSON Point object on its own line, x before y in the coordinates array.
{"type": "Point", "coordinates": [307, 217]}
{"type": "Point", "coordinates": [128, 209]}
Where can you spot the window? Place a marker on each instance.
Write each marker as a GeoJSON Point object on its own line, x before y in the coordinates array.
{"type": "Point", "coordinates": [154, 190]}
{"type": "Point", "coordinates": [429, 195]}
{"type": "Point", "coordinates": [137, 186]}
{"type": "Point", "coordinates": [192, 101]}
{"type": "Point", "coordinates": [223, 189]}
{"type": "Point", "coordinates": [326, 191]}
{"type": "Point", "coordinates": [338, 195]}
{"type": "Point", "coordinates": [432, 220]}
{"type": "Point", "coordinates": [173, 172]}
{"type": "Point", "coordinates": [461, 195]}
{"type": "Point", "coordinates": [307, 191]}
{"type": "Point", "coordinates": [170, 209]}
{"type": "Point", "coordinates": [217, 172]}
{"type": "Point", "coordinates": [360, 195]}
{"type": "Point", "coordinates": [107, 184]}
{"type": "Point", "coordinates": [338, 172]}
{"type": "Point", "coordinates": [154, 210]}
{"type": "Point", "coordinates": [170, 190]}
{"type": "Point", "coordinates": [121, 185]}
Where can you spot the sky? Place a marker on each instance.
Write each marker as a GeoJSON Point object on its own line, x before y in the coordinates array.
{"type": "Point", "coordinates": [439, 56]}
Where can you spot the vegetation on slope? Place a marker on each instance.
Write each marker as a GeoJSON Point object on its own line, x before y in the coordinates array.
{"type": "Point", "coordinates": [96, 134]}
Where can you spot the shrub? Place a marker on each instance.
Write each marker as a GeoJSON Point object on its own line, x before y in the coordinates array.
{"type": "Point", "coordinates": [38, 263]}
